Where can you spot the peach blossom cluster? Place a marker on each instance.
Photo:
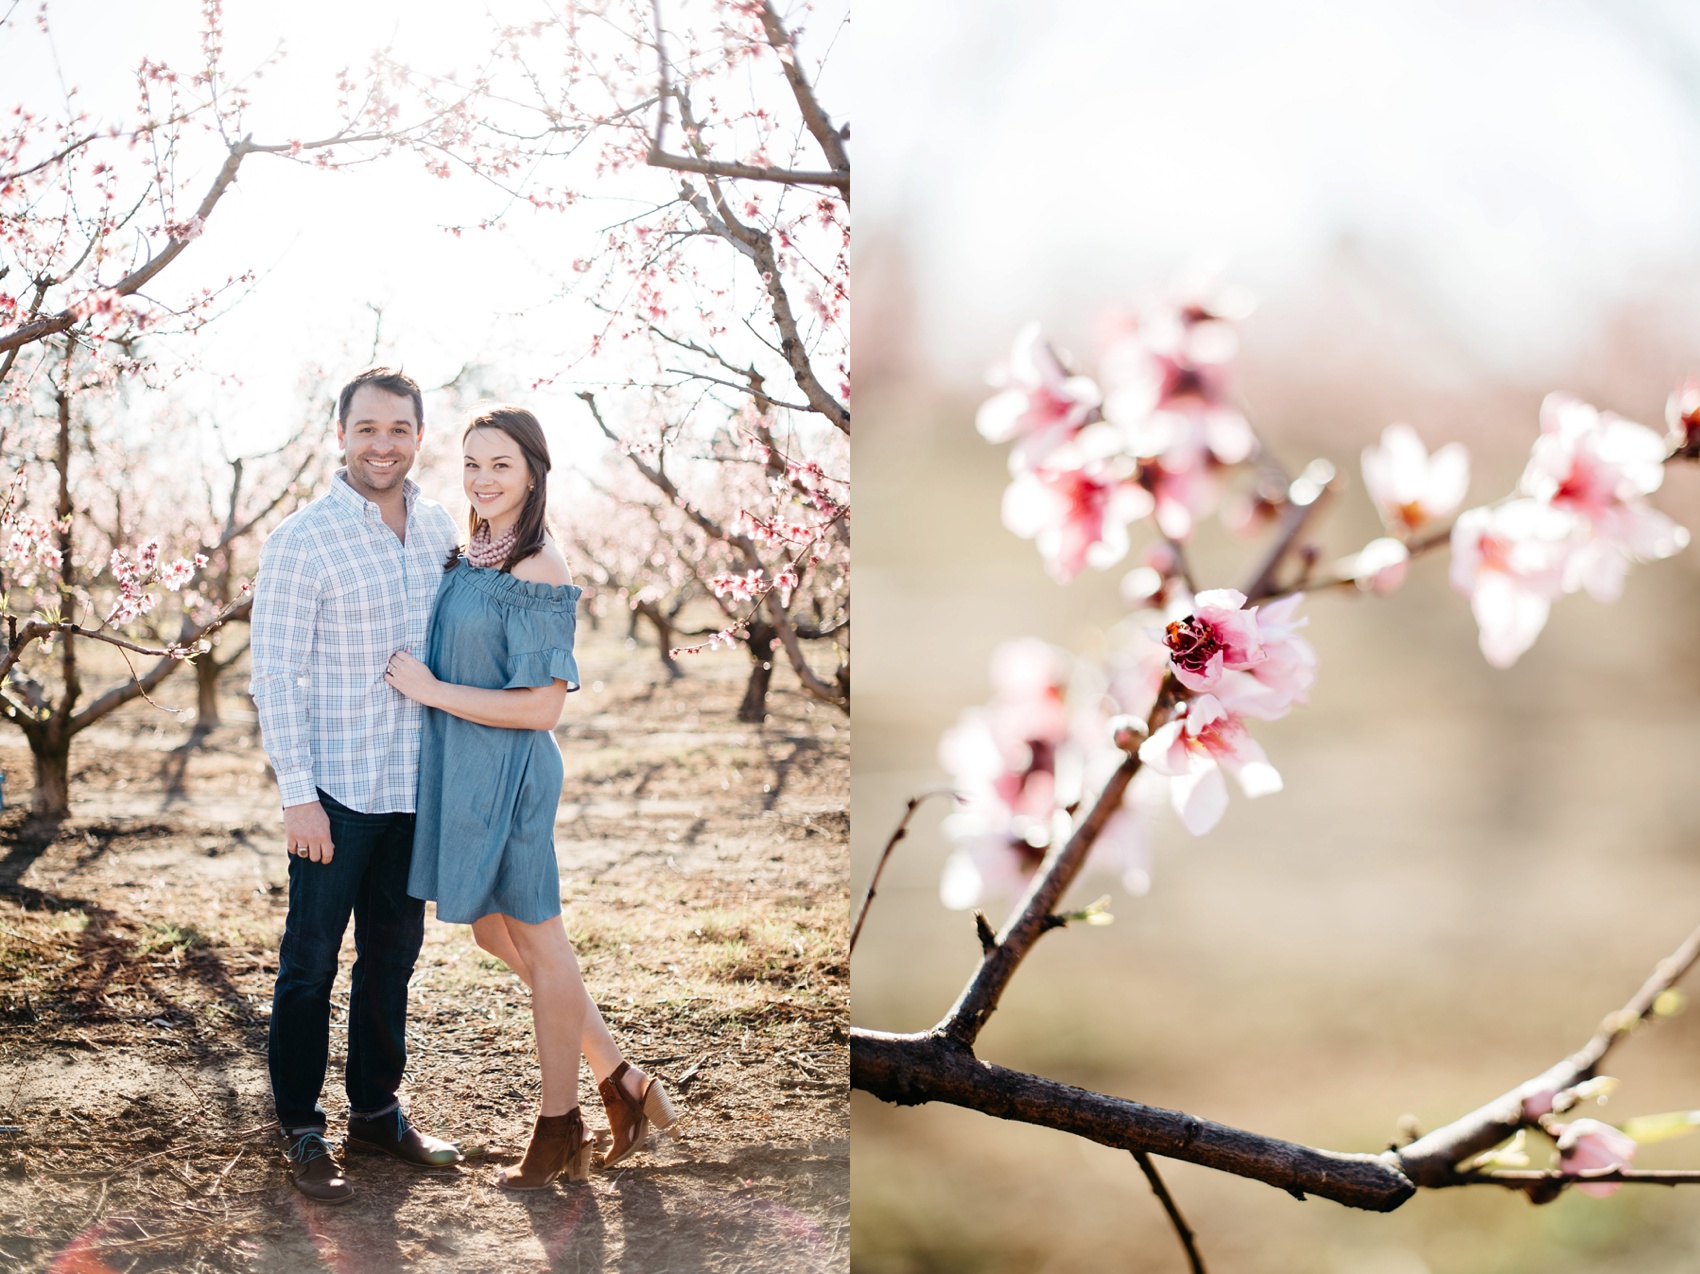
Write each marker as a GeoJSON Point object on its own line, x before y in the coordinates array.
{"type": "Point", "coordinates": [1147, 440]}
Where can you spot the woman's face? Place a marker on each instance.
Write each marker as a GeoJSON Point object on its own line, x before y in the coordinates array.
{"type": "Point", "coordinates": [496, 477]}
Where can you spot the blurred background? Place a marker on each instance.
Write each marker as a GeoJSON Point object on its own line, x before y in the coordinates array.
{"type": "Point", "coordinates": [1446, 211]}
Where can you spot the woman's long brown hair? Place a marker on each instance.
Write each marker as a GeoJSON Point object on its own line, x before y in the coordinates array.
{"type": "Point", "coordinates": [520, 425]}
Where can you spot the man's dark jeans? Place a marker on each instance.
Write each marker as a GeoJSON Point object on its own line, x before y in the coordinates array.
{"type": "Point", "coordinates": [366, 877]}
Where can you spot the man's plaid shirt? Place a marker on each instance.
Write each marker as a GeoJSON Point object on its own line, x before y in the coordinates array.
{"type": "Point", "coordinates": [336, 595]}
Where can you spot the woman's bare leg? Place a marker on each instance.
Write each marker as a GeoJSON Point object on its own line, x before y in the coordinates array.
{"type": "Point", "coordinates": [490, 933]}
{"type": "Point", "coordinates": [559, 997]}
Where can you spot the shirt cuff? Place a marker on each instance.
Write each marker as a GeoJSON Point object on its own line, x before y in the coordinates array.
{"type": "Point", "coordinates": [297, 789]}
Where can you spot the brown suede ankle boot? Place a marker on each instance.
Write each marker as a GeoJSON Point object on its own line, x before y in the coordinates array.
{"type": "Point", "coordinates": [559, 1143]}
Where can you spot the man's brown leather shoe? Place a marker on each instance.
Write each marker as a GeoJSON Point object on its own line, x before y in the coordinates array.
{"type": "Point", "coordinates": [314, 1170]}
{"type": "Point", "coordinates": [392, 1135]}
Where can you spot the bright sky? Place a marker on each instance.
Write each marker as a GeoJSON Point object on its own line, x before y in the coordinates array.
{"type": "Point", "coordinates": [330, 245]}
{"type": "Point", "coordinates": [1515, 162]}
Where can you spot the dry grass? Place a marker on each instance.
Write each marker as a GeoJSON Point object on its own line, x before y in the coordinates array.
{"type": "Point", "coordinates": [703, 885]}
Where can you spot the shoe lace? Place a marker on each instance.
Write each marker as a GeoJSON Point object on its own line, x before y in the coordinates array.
{"type": "Point", "coordinates": [308, 1147]}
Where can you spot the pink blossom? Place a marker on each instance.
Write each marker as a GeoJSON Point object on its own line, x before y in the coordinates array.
{"type": "Point", "coordinates": [1411, 488]}
{"type": "Point", "coordinates": [1598, 467]}
{"type": "Point", "coordinates": [1183, 486]}
{"type": "Point", "coordinates": [1194, 749]}
{"type": "Point", "coordinates": [741, 588]}
{"type": "Point", "coordinates": [1017, 763]}
{"type": "Point", "coordinates": [1379, 567]}
{"type": "Point", "coordinates": [1269, 688]}
{"type": "Point", "coordinates": [1509, 560]}
{"type": "Point", "coordinates": [1539, 1102]}
{"type": "Point", "coordinates": [1043, 408]}
{"type": "Point", "coordinates": [1076, 519]}
{"type": "Point", "coordinates": [1136, 671]}
{"type": "Point", "coordinates": [186, 231]}
{"type": "Point", "coordinates": [1218, 636]}
{"type": "Point", "coordinates": [1588, 1144]}
{"type": "Point", "coordinates": [1169, 378]}
{"type": "Point", "coordinates": [1003, 757]}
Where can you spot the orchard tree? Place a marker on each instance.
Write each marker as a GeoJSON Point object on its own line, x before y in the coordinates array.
{"type": "Point", "coordinates": [1060, 775]}
{"type": "Point", "coordinates": [723, 287]}
{"type": "Point", "coordinates": [94, 215]}
{"type": "Point", "coordinates": [636, 553]}
{"type": "Point", "coordinates": [256, 492]}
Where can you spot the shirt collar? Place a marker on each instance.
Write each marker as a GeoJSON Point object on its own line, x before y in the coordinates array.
{"type": "Point", "coordinates": [345, 494]}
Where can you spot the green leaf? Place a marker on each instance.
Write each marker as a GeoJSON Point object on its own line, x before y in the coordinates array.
{"type": "Point", "coordinates": [1650, 1128]}
{"type": "Point", "coordinates": [1509, 1155]}
{"type": "Point", "coordinates": [1094, 913]}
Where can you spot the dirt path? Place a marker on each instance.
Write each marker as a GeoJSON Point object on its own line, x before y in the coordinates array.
{"type": "Point", "coordinates": [703, 867]}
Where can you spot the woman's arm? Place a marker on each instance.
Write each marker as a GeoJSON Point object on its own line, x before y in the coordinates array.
{"type": "Point", "coordinates": [527, 708]}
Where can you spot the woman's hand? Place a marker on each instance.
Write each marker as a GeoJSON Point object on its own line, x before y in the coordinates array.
{"type": "Point", "coordinates": [411, 678]}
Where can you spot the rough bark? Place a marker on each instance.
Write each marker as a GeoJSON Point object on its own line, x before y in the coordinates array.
{"type": "Point", "coordinates": [910, 1069]}
{"type": "Point", "coordinates": [760, 645]}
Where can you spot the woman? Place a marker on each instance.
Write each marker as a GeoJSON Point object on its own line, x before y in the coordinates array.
{"type": "Point", "coordinates": [498, 666]}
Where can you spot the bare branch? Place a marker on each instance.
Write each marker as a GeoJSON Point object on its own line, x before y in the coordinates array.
{"type": "Point", "coordinates": [914, 803]}
{"type": "Point", "coordinates": [819, 125]}
{"type": "Point", "coordinates": [1182, 1230]}
{"type": "Point", "coordinates": [748, 172]}
{"type": "Point", "coordinates": [910, 1069]}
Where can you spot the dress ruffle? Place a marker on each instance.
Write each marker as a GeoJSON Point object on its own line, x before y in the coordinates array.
{"type": "Point", "coordinates": [521, 592]}
{"type": "Point", "coordinates": [542, 668]}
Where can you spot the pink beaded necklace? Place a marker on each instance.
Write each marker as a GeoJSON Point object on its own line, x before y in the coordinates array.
{"type": "Point", "coordinates": [483, 551]}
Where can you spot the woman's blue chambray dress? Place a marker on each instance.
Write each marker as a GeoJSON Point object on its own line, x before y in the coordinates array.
{"type": "Point", "coordinates": [485, 837]}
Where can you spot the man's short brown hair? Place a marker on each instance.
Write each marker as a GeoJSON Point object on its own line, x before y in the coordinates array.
{"type": "Point", "coordinates": [389, 379]}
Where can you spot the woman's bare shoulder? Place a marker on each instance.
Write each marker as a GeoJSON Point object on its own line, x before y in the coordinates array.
{"type": "Point", "coordinates": [546, 567]}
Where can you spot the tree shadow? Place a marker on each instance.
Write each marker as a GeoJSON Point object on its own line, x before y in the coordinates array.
{"type": "Point", "coordinates": [803, 750]}
{"type": "Point", "coordinates": [26, 841]}
{"type": "Point", "coordinates": [174, 769]}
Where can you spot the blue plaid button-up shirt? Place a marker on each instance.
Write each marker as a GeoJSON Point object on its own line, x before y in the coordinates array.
{"type": "Point", "coordinates": [336, 595]}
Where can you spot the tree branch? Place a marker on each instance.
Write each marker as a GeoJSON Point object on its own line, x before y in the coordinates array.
{"type": "Point", "coordinates": [1430, 1160]}
{"type": "Point", "coordinates": [747, 172]}
{"type": "Point", "coordinates": [910, 1069]}
{"type": "Point", "coordinates": [914, 803]}
{"type": "Point", "coordinates": [825, 135]}
{"type": "Point", "coordinates": [1182, 1230]}
{"type": "Point", "coordinates": [142, 275]}
{"type": "Point", "coordinates": [1030, 921]}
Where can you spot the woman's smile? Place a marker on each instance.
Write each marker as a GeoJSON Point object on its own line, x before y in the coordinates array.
{"type": "Point", "coordinates": [496, 477]}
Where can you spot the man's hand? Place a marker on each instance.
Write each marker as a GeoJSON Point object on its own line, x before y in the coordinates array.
{"type": "Point", "coordinates": [307, 831]}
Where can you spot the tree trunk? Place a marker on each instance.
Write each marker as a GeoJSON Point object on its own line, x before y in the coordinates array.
{"type": "Point", "coordinates": [52, 753]}
{"type": "Point", "coordinates": [207, 671]}
{"type": "Point", "coordinates": [760, 641]}
{"type": "Point", "coordinates": [663, 636]}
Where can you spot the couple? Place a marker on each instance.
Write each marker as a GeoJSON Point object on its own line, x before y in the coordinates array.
{"type": "Point", "coordinates": [405, 778]}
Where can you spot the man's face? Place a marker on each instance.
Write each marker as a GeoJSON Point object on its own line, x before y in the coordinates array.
{"type": "Point", "coordinates": [380, 439]}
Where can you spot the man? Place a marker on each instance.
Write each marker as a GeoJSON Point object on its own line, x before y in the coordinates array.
{"type": "Point", "coordinates": [343, 584]}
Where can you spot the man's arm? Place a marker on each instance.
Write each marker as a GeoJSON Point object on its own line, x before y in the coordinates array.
{"type": "Point", "coordinates": [286, 601]}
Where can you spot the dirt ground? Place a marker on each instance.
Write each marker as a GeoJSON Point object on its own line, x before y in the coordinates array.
{"type": "Point", "coordinates": [703, 869]}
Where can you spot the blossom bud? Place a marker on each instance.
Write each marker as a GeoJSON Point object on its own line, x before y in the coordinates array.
{"type": "Point", "coordinates": [1127, 732]}
{"type": "Point", "coordinates": [1682, 414]}
{"type": "Point", "coordinates": [1379, 566]}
